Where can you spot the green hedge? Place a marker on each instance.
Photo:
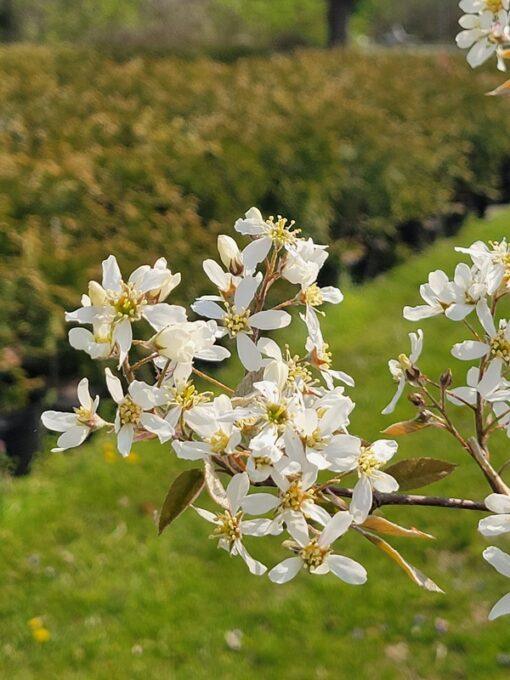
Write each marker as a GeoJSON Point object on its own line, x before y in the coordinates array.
{"type": "Point", "coordinates": [153, 156]}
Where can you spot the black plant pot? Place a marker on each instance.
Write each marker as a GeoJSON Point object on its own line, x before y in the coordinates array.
{"type": "Point", "coordinates": [21, 433]}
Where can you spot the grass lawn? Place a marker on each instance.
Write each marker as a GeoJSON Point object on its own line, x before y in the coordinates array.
{"type": "Point", "coordinates": [78, 548]}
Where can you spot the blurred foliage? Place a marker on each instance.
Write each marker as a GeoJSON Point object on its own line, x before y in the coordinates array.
{"type": "Point", "coordinates": [223, 27]}
{"type": "Point", "coordinates": [428, 21]}
{"type": "Point", "coordinates": [153, 156]}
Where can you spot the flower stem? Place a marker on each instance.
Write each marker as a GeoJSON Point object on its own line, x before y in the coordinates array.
{"type": "Point", "coordinates": [212, 380]}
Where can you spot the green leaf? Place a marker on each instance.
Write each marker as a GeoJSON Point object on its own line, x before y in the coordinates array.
{"type": "Point", "coordinates": [183, 491]}
{"type": "Point", "coordinates": [414, 574]}
{"type": "Point", "coordinates": [414, 473]}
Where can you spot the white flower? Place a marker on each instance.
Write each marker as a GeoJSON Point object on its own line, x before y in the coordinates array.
{"type": "Point", "coordinates": [318, 430]}
{"type": "Point", "coordinates": [266, 232]}
{"type": "Point", "coordinates": [293, 505]}
{"type": "Point", "coordinates": [98, 344]}
{"type": "Point", "coordinates": [77, 426]}
{"type": "Point", "coordinates": [159, 276]}
{"type": "Point", "coordinates": [497, 345]}
{"type": "Point", "coordinates": [493, 261]}
{"type": "Point", "coordinates": [351, 454]}
{"type": "Point", "coordinates": [497, 524]}
{"type": "Point", "coordinates": [491, 387]}
{"type": "Point", "coordinates": [314, 296]}
{"type": "Point", "coordinates": [214, 424]}
{"type": "Point", "coordinates": [183, 342]}
{"type": "Point", "coordinates": [399, 367]}
{"type": "Point", "coordinates": [238, 321]}
{"type": "Point", "coordinates": [135, 412]}
{"type": "Point", "coordinates": [230, 526]}
{"type": "Point", "coordinates": [320, 356]}
{"type": "Point", "coordinates": [469, 285]}
{"type": "Point", "coordinates": [501, 562]}
{"type": "Point", "coordinates": [485, 27]}
{"type": "Point", "coordinates": [438, 293]}
{"type": "Point", "coordinates": [264, 456]}
{"type": "Point", "coordinates": [303, 262]}
{"type": "Point", "coordinates": [118, 304]}
{"type": "Point", "coordinates": [317, 556]}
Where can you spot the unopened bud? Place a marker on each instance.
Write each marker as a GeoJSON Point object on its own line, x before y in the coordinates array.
{"type": "Point", "coordinates": [446, 379]}
{"type": "Point", "coordinates": [97, 294]}
{"type": "Point", "coordinates": [413, 374]}
{"type": "Point", "coordinates": [417, 399]}
{"type": "Point", "coordinates": [230, 254]}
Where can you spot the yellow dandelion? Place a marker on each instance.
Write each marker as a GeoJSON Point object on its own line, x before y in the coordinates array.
{"type": "Point", "coordinates": [41, 634]}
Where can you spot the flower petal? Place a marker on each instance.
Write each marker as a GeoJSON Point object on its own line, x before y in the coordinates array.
{"type": "Point", "coordinates": [286, 570]}
{"type": "Point", "coordinates": [361, 500]}
{"type": "Point", "coordinates": [248, 353]}
{"type": "Point", "coordinates": [337, 526]}
{"type": "Point", "coordinates": [498, 559]}
{"type": "Point", "coordinates": [270, 320]}
{"type": "Point", "coordinates": [348, 570]}
{"type": "Point", "coordinates": [237, 489]}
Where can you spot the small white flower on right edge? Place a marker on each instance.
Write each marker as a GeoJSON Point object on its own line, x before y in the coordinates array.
{"type": "Point", "coordinates": [317, 557]}
{"type": "Point", "coordinates": [501, 562]}
{"type": "Point", "coordinates": [77, 426]}
{"type": "Point", "coordinates": [485, 27]}
{"type": "Point", "coordinates": [352, 454]}
{"type": "Point", "coordinates": [497, 344]}
{"type": "Point", "coordinates": [399, 367]}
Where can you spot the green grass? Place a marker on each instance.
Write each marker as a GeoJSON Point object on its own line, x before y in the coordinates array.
{"type": "Point", "coordinates": [79, 548]}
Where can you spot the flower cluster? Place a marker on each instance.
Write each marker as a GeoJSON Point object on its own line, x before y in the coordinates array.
{"type": "Point", "coordinates": [473, 297]}
{"type": "Point", "coordinates": [486, 31]}
{"type": "Point", "coordinates": [285, 424]}
{"type": "Point", "coordinates": [282, 436]}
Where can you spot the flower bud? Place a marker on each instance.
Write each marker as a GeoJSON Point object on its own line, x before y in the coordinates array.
{"type": "Point", "coordinates": [97, 294]}
{"type": "Point", "coordinates": [230, 254]}
{"type": "Point", "coordinates": [413, 374]}
{"type": "Point", "coordinates": [417, 399]}
{"type": "Point", "coordinates": [446, 379]}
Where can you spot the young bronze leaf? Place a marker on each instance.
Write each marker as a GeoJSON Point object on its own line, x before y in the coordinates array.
{"type": "Point", "coordinates": [414, 473]}
{"type": "Point", "coordinates": [504, 89]}
{"type": "Point", "coordinates": [383, 526]}
{"type": "Point", "coordinates": [183, 491]}
{"type": "Point", "coordinates": [406, 427]}
{"type": "Point", "coordinates": [414, 574]}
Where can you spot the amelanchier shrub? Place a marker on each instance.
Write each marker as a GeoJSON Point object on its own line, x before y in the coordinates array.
{"type": "Point", "coordinates": [281, 437]}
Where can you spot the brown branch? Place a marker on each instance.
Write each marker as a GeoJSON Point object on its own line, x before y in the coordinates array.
{"type": "Point", "coordinates": [381, 499]}
{"type": "Point", "coordinates": [479, 454]}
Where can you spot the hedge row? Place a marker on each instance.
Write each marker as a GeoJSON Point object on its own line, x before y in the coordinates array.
{"type": "Point", "coordinates": [155, 156]}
